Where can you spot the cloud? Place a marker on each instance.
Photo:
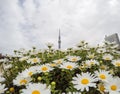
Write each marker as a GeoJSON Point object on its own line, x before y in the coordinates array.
{"type": "Point", "coordinates": [10, 31]}
{"type": "Point", "coordinates": [27, 23]}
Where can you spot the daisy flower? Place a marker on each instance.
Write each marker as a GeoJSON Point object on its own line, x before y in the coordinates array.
{"type": "Point", "coordinates": [107, 57]}
{"type": "Point", "coordinates": [7, 66]}
{"type": "Point", "coordinates": [84, 81]}
{"type": "Point", "coordinates": [36, 88]}
{"type": "Point", "coordinates": [103, 67]}
{"type": "Point", "coordinates": [2, 79]}
{"type": "Point", "coordinates": [113, 86]}
{"type": "Point", "coordinates": [23, 58]}
{"type": "Point", "coordinates": [44, 68]}
{"type": "Point", "coordinates": [101, 88]}
{"type": "Point", "coordinates": [73, 58]}
{"type": "Point", "coordinates": [49, 44]}
{"type": "Point", "coordinates": [72, 93]}
{"type": "Point", "coordinates": [103, 75]}
{"type": "Point", "coordinates": [68, 65]}
{"type": "Point", "coordinates": [59, 61]}
{"type": "Point", "coordinates": [52, 64]}
{"type": "Point", "coordinates": [29, 72]}
{"type": "Point", "coordinates": [101, 50]}
{"type": "Point", "coordinates": [116, 63]}
{"type": "Point", "coordinates": [20, 80]}
{"type": "Point", "coordinates": [91, 62]}
{"type": "Point", "coordinates": [33, 60]}
{"type": "Point", "coordinates": [4, 60]}
{"type": "Point", "coordinates": [91, 56]}
{"type": "Point", "coordinates": [33, 52]}
{"type": "Point", "coordinates": [81, 44]}
{"type": "Point", "coordinates": [2, 88]}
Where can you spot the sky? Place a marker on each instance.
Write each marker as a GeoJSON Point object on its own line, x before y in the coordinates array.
{"type": "Point", "coordinates": [28, 23]}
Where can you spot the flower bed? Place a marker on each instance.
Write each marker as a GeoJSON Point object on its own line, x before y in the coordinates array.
{"type": "Point", "coordinates": [80, 70]}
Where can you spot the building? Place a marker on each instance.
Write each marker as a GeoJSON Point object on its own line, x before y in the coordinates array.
{"type": "Point", "coordinates": [1, 56]}
{"type": "Point", "coordinates": [113, 38]}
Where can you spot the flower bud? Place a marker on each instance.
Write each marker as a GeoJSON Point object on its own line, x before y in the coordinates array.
{"type": "Point", "coordinates": [53, 83]}
{"type": "Point", "coordinates": [39, 78]}
{"type": "Point", "coordinates": [12, 89]}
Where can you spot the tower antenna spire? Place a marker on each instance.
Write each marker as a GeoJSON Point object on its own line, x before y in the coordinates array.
{"type": "Point", "coordinates": [59, 40]}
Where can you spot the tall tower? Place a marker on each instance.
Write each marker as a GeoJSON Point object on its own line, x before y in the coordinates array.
{"type": "Point", "coordinates": [59, 40]}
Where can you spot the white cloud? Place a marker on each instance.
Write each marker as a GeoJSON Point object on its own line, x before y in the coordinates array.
{"type": "Point", "coordinates": [34, 22]}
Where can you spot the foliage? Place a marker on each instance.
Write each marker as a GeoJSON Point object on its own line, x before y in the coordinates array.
{"type": "Point", "coordinates": [58, 69]}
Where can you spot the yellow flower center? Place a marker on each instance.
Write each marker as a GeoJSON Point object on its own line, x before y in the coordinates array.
{"type": "Point", "coordinates": [23, 81]}
{"type": "Point", "coordinates": [113, 87]}
{"type": "Point", "coordinates": [35, 60]}
{"type": "Point", "coordinates": [85, 81]}
{"type": "Point", "coordinates": [74, 59]}
{"type": "Point", "coordinates": [102, 88]}
{"type": "Point", "coordinates": [59, 62]}
{"type": "Point", "coordinates": [69, 67]}
{"type": "Point", "coordinates": [103, 67]}
{"type": "Point", "coordinates": [44, 68]}
{"type": "Point", "coordinates": [85, 65]}
{"type": "Point", "coordinates": [102, 76]}
{"type": "Point", "coordinates": [92, 63]}
{"type": "Point", "coordinates": [36, 92]}
{"type": "Point", "coordinates": [53, 65]}
{"type": "Point", "coordinates": [30, 73]}
{"type": "Point", "coordinates": [117, 63]}
{"type": "Point", "coordinates": [91, 56]}
{"type": "Point", "coordinates": [107, 58]}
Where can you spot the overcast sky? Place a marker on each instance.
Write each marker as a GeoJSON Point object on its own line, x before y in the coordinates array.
{"type": "Point", "coordinates": [28, 23]}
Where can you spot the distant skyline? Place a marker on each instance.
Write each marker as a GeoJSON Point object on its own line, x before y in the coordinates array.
{"type": "Point", "coordinates": [28, 23]}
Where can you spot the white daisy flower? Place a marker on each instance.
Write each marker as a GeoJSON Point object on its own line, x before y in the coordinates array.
{"type": "Point", "coordinates": [36, 88]}
{"type": "Point", "coordinates": [113, 86]}
{"type": "Point", "coordinates": [49, 45]}
{"type": "Point", "coordinates": [115, 46]}
{"type": "Point", "coordinates": [52, 64]}
{"type": "Point", "coordinates": [91, 56]}
{"type": "Point", "coordinates": [103, 67]}
{"type": "Point", "coordinates": [34, 52]}
{"type": "Point", "coordinates": [5, 60]}
{"type": "Point", "coordinates": [33, 60]}
{"type": "Point", "coordinates": [2, 88]}
{"type": "Point", "coordinates": [101, 88]}
{"type": "Point", "coordinates": [107, 57]}
{"type": "Point", "coordinates": [7, 66]}
{"type": "Point", "coordinates": [20, 80]}
{"type": "Point", "coordinates": [59, 61]}
{"type": "Point", "coordinates": [103, 75]}
{"type": "Point", "coordinates": [2, 79]}
{"type": "Point", "coordinates": [116, 63]}
{"type": "Point", "coordinates": [44, 68]}
{"type": "Point", "coordinates": [68, 65]}
{"type": "Point", "coordinates": [101, 50]}
{"type": "Point", "coordinates": [91, 62]}
{"type": "Point", "coordinates": [72, 93]}
{"type": "Point", "coordinates": [84, 81]}
{"type": "Point", "coordinates": [81, 44]}
{"type": "Point", "coordinates": [118, 52]}
{"type": "Point", "coordinates": [23, 58]}
{"type": "Point", "coordinates": [29, 72]}
{"type": "Point", "coordinates": [73, 58]}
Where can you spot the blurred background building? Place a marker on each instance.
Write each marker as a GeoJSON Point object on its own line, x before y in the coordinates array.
{"type": "Point", "coordinates": [1, 56]}
{"type": "Point", "coordinates": [113, 38]}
